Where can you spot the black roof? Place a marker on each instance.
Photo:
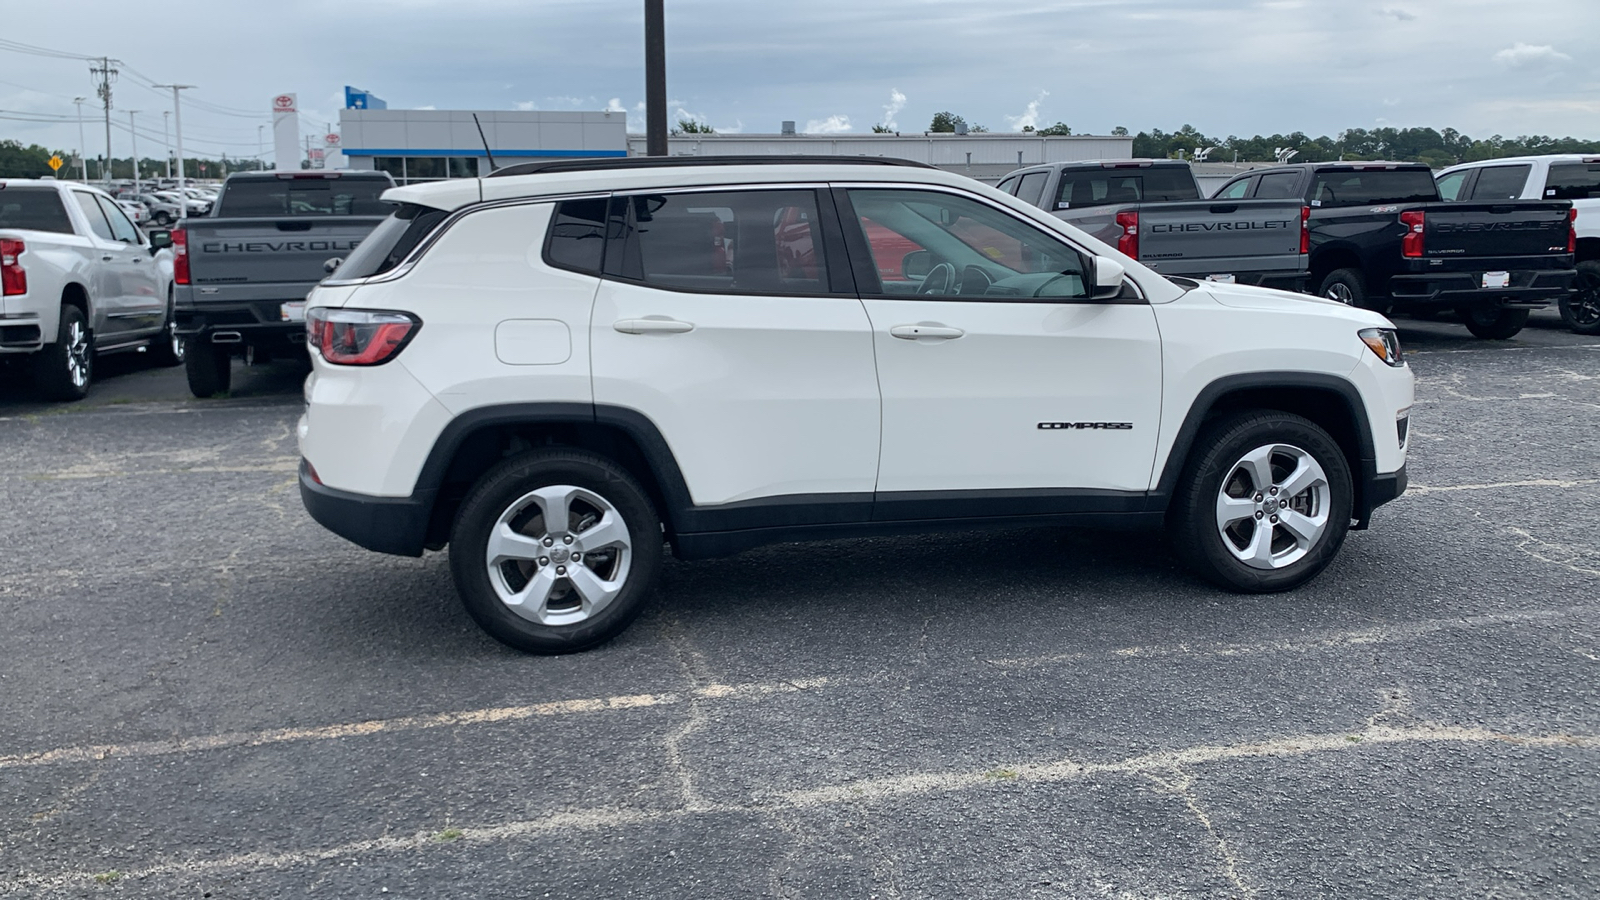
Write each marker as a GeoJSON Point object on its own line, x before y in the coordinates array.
{"type": "Point", "coordinates": [588, 164]}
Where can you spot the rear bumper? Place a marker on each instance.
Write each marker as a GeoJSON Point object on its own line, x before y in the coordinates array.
{"type": "Point", "coordinates": [1529, 288]}
{"type": "Point", "coordinates": [260, 320]}
{"type": "Point", "coordinates": [395, 525]}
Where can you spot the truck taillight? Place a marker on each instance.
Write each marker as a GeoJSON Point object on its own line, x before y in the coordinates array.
{"type": "Point", "coordinates": [180, 256]}
{"type": "Point", "coordinates": [1572, 230]}
{"type": "Point", "coordinates": [13, 280]}
{"type": "Point", "coordinates": [1411, 244]}
{"type": "Point", "coordinates": [1128, 240]}
{"type": "Point", "coordinates": [359, 337]}
{"type": "Point", "coordinates": [1305, 229]}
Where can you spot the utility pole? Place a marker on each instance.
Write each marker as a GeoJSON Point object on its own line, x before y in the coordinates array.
{"type": "Point", "coordinates": [106, 74]}
{"type": "Point", "coordinates": [261, 148]}
{"type": "Point", "coordinates": [177, 127]}
{"type": "Point", "coordinates": [135, 138]}
{"type": "Point", "coordinates": [83, 149]}
{"type": "Point", "coordinates": [166, 139]}
{"type": "Point", "coordinates": [655, 78]}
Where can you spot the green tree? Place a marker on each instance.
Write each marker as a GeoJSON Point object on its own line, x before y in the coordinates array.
{"type": "Point", "coordinates": [945, 123]}
{"type": "Point", "coordinates": [880, 129]}
{"type": "Point", "coordinates": [690, 126]}
{"type": "Point", "coordinates": [1059, 128]}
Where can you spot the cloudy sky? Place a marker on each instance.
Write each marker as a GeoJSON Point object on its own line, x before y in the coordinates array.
{"type": "Point", "coordinates": [1225, 66]}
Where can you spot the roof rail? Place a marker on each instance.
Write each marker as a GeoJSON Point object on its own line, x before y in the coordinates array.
{"type": "Point", "coordinates": [668, 162]}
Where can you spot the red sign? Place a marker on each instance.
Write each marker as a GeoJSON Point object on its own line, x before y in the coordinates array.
{"type": "Point", "coordinates": [314, 153]}
{"type": "Point", "coordinates": [283, 103]}
{"type": "Point", "coordinates": [331, 140]}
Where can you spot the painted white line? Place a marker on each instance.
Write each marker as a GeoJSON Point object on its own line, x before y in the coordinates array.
{"type": "Point", "coordinates": [1422, 490]}
{"type": "Point", "coordinates": [866, 791]}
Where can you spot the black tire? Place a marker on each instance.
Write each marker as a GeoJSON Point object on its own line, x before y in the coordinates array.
{"type": "Point", "coordinates": [1493, 323]}
{"type": "Point", "coordinates": [1346, 286]}
{"type": "Point", "coordinates": [1580, 311]}
{"type": "Point", "coordinates": [209, 367]}
{"type": "Point", "coordinates": [1213, 465]}
{"type": "Point", "coordinates": [500, 493]}
{"type": "Point", "coordinates": [167, 349]}
{"type": "Point", "coordinates": [162, 219]}
{"type": "Point", "coordinates": [64, 368]}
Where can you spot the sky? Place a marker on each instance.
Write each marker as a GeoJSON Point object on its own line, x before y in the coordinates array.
{"type": "Point", "coordinates": [1240, 67]}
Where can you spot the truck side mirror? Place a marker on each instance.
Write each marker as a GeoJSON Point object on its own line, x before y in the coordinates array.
{"type": "Point", "coordinates": [332, 263]}
{"type": "Point", "coordinates": [160, 238]}
{"type": "Point", "coordinates": [1107, 278]}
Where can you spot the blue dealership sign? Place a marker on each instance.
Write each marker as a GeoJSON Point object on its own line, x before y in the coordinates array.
{"type": "Point", "coordinates": [355, 98]}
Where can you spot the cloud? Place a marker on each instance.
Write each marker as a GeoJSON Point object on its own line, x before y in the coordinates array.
{"type": "Point", "coordinates": [1400, 14]}
{"type": "Point", "coordinates": [1030, 116]}
{"type": "Point", "coordinates": [1522, 55]}
{"type": "Point", "coordinates": [615, 105]}
{"type": "Point", "coordinates": [897, 102]}
{"type": "Point", "coordinates": [527, 105]}
{"type": "Point", "coordinates": [835, 124]}
{"type": "Point", "coordinates": [429, 106]}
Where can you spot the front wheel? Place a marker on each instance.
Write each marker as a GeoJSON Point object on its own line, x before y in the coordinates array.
{"type": "Point", "coordinates": [1580, 311]}
{"type": "Point", "coordinates": [555, 551]}
{"type": "Point", "coordinates": [1264, 503]}
{"type": "Point", "coordinates": [1494, 323]}
{"type": "Point", "coordinates": [208, 367]}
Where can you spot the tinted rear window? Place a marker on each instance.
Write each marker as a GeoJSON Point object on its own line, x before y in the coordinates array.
{"type": "Point", "coordinates": [578, 235]}
{"type": "Point", "coordinates": [253, 197]}
{"type": "Point", "coordinates": [36, 209]}
{"type": "Point", "coordinates": [1369, 186]}
{"type": "Point", "coordinates": [1101, 187]}
{"type": "Point", "coordinates": [1572, 181]}
{"type": "Point", "coordinates": [392, 241]}
{"type": "Point", "coordinates": [1501, 182]}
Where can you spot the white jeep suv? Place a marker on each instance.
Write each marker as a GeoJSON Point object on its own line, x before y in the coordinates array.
{"type": "Point", "coordinates": [563, 367]}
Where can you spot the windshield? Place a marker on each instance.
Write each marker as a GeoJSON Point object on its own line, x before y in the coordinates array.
{"type": "Point", "coordinates": [392, 241]}
{"type": "Point", "coordinates": [261, 197]}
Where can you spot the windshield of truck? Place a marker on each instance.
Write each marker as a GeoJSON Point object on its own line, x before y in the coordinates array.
{"type": "Point", "coordinates": [1572, 181]}
{"type": "Point", "coordinates": [1102, 187]}
{"type": "Point", "coordinates": [392, 241]}
{"type": "Point", "coordinates": [36, 209]}
{"type": "Point", "coordinates": [263, 197]}
{"type": "Point", "coordinates": [1366, 187]}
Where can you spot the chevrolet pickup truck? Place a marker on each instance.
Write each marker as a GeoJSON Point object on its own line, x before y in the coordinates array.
{"type": "Point", "coordinates": [244, 271]}
{"type": "Point", "coordinates": [1382, 238]}
{"type": "Point", "coordinates": [1553, 177]}
{"type": "Point", "coordinates": [1153, 210]}
{"type": "Point", "coordinates": [77, 280]}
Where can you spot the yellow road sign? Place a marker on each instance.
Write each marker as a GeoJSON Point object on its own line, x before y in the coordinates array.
{"type": "Point", "coordinates": [55, 163]}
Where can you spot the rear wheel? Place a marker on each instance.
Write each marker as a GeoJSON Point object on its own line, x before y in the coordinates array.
{"type": "Point", "coordinates": [63, 369]}
{"type": "Point", "coordinates": [555, 551]}
{"type": "Point", "coordinates": [209, 368]}
{"type": "Point", "coordinates": [1494, 323]}
{"type": "Point", "coordinates": [1580, 311]}
{"type": "Point", "coordinates": [1264, 503]}
{"type": "Point", "coordinates": [167, 349]}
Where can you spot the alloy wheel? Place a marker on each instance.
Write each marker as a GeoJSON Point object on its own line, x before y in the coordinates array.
{"type": "Point", "coordinates": [1584, 304]}
{"type": "Point", "coordinates": [1341, 292]}
{"type": "Point", "coordinates": [1273, 506]}
{"type": "Point", "coordinates": [78, 354]}
{"type": "Point", "coordinates": [559, 555]}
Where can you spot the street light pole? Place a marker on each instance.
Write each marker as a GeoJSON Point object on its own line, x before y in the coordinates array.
{"type": "Point", "coordinates": [83, 149]}
{"type": "Point", "coordinates": [655, 78]}
{"type": "Point", "coordinates": [261, 148]}
{"type": "Point", "coordinates": [134, 136]}
{"type": "Point", "coordinates": [177, 127]}
{"type": "Point", "coordinates": [166, 138]}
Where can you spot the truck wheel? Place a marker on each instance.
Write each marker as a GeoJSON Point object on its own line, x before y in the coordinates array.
{"type": "Point", "coordinates": [166, 349]}
{"type": "Point", "coordinates": [1264, 502]}
{"type": "Point", "coordinates": [1494, 323]}
{"type": "Point", "coordinates": [62, 370]}
{"type": "Point", "coordinates": [209, 367]}
{"type": "Point", "coordinates": [555, 551]}
{"type": "Point", "coordinates": [1346, 286]}
{"type": "Point", "coordinates": [1580, 311]}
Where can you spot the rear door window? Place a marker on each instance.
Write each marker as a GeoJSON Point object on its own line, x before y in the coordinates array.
{"type": "Point", "coordinates": [1573, 181]}
{"type": "Point", "coordinates": [578, 235]}
{"type": "Point", "coordinates": [95, 215]}
{"type": "Point", "coordinates": [1031, 186]}
{"type": "Point", "coordinates": [1277, 186]}
{"type": "Point", "coordinates": [1501, 182]}
{"type": "Point", "coordinates": [35, 209]}
{"type": "Point", "coordinates": [121, 227]}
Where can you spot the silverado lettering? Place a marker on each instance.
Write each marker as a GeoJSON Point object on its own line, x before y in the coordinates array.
{"type": "Point", "coordinates": [1176, 227]}
{"type": "Point", "coordinates": [276, 246]}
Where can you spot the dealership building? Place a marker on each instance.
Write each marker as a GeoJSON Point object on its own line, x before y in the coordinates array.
{"type": "Point", "coordinates": [416, 145]}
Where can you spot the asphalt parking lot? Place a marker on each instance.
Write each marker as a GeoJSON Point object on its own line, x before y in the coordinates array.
{"type": "Point", "coordinates": [205, 694]}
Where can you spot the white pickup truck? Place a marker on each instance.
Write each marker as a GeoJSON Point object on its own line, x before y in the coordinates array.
{"type": "Point", "coordinates": [77, 279]}
{"type": "Point", "coordinates": [1559, 176]}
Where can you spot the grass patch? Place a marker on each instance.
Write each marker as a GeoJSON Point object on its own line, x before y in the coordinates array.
{"type": "Point", "coordinates": [1000, 774]}
{"type": "Point", "coordinates": [448, 835]}
{"type": "Point", "coordinates": [110, 877]}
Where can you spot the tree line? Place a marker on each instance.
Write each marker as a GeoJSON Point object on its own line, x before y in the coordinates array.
{"type": "Point", "coordinates": [1437, 148]}
{"type": "Point", "coordinates": [33, 161]}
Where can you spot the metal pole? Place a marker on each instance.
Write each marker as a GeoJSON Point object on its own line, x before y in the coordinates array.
{"type": "Point", "coordinates": [83, 151]}
{"type": "Point", "coordinates": [655, 78]}
{"type": "Point", "coordinates": [135, 138]}
{"type": "Point", "coordinates": [106, 74]}
{"type": "Point", "coordinates": [261, 148]}
{"type": "Point", "coordinates": [166, 138]}
{"type": "Point", "coordinates": [177, 127]}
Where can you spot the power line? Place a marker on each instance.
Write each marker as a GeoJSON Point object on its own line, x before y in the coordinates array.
{"type": "Point", "coordinates": [34, 50]}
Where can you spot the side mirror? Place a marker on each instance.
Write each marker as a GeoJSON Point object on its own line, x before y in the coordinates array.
{"type": "Point", "coordinates": [917, 264]}
{"type": "Point", "coordinates": [160, 238]}
{"type": "Point", "coordinates": [332, 263]}
{"type": "Point", "coordinates": [1108, 275]}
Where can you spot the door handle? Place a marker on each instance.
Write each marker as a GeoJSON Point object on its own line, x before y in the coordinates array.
{"type": "Point", "coordinates": [107, 258]}
{"type": "Point", "coordinates": [913, 332]}
{"type": "Point", "coordinates": [652, 326]}
{"type": "Point", "coordinates": [138, 259]}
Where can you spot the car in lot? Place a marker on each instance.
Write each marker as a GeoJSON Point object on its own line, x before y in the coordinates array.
{"type": "Point", "coordinates": [556, 369]}
{"type": "Point", "coordinates": [78, 279]}
{"type": "Point", "coordinates": [1381, 237]}
{"type": "Point", "coordinates": [1153, 211]}
{"type": "Point", "coordinates": [1563, 176]}
{"type": "Point", "coordinates": [135, 212]}
{"type": "Point", "coordinates": [162, 211]}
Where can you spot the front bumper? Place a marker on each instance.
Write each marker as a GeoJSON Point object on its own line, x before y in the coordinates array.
{"type": "Point", "coordinates": [1377, 490]}
{"type": "Point", "coordinates": [397, 525]}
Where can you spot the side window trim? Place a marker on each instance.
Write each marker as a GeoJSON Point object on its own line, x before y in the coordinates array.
{"type": "Point", "coordinates": [78, 197]}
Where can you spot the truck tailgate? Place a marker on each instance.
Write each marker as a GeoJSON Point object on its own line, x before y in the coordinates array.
{"type": "Point", "coordinates": [1504, 228]}
{"type": "Point", "coordinates": [1203, 237]}
{"type": "Point", "coordinates": [265, 258]}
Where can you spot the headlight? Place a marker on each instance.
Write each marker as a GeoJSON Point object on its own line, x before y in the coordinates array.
{"type": "Point", "coordinates": [1385, 343]}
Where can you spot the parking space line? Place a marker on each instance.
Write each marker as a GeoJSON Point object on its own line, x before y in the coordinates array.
{"type": "Point", "coordinates": [865, 791]}
{"type": "Point", "coordinates": [1422, 490]}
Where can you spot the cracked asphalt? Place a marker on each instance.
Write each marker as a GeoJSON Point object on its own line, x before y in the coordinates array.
{"type": "Point", "coordinates": [204, 694]}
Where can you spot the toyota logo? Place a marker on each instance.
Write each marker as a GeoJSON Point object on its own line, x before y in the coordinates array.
{"type": "Point", "coordinates": [283, 103]}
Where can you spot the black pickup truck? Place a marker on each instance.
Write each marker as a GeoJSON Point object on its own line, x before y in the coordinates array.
{"type": "Point", "coordinates": [1382, 238]}
{"type": "Point", "coordinates": [243, 272]}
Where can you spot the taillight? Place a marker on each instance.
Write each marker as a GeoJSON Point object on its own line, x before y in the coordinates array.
{"type": "Point", "coordinates": [1572, 230]}
{"type": "Point", "coordinates": [359, 337]}
{"type": "Point", "coordinates": [13, 280]}
{"type": "Point", "coordinates": [180, 256]}
{"type": "Point", "coordinates": [1411, 244]}
{"type": "Point", "coordinates": [1305, 229]}
{"type": "Point", "coordinates": [1128, 240]}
